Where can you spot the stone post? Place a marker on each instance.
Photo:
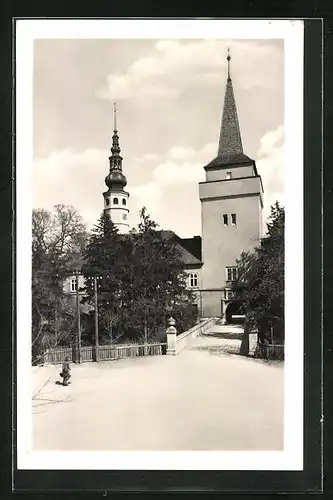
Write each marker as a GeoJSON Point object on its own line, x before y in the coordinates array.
{"type": "Point", "coordinates": [223, 311]}
{"type": "Point", "coordinates": [171, 338]}
{"type": "Point", "coordinates": [253, 341]}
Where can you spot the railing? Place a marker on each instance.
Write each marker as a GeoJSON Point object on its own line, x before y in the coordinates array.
{"type": "Point", "coordinates": [87, 354]}
{"type": "Point", "coordinates": [176, 343]}
{"type": "Point", "coordinates": [130, 351]}
{"type": "Point", "coordinates": [271, 351]}
{"type": "Point", "coordinates": [58, 355]}
{"type": "Point", "coordinates": [104, 353]}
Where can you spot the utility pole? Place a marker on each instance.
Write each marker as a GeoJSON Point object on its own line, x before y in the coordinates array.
{"type": "Point", "coordinates": [56, 323]}
{"type": "Point", "coordinates": [145, 349]}
{"type": "Point", "coordinates": [78, 358]}
{"type": "Point", "coordinates": [145, 304]}
{"type": "Point", "coordinates": [96, 320]}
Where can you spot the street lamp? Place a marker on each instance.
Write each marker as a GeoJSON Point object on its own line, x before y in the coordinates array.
{"type": "Point", "coordinates": [96, 279]}
{"type": "Point", "coordinates": [78, 350]}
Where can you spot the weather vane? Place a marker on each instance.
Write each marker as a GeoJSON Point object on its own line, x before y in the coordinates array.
{"type": "Point", "coordinates": [228, 59]}
{"type": "Point", "coordinates": [115, 115]}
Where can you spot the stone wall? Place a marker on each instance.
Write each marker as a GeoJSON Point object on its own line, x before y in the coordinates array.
{"type": "Point", "coordinates": [176, 343]}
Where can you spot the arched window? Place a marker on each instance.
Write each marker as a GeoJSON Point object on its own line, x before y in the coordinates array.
{"type": "Point", "coordinates": [115, 201]}
{"type": "Point", "coordinates": [107, 201]}
{"type": "Point", "coordinates": [124, 201]}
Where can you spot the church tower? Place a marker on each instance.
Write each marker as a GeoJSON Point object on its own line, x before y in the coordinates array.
{"type": "Point", "coordinates": [116, 198]}
{"type": "Point", "coordinates": [231, 210]}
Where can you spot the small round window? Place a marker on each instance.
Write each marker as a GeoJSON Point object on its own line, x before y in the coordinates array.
{"type": "Point", "coordinates": [115, 201]}
{"type": "Point", "coordinates": [124, 201]}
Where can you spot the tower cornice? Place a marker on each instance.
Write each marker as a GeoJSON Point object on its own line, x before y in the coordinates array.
{"type": "Point", "coordinates": [228, 161]}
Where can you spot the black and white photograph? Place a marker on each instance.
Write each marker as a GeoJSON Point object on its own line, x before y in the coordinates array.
{"type": "Point", "coordinates": [159, 192]}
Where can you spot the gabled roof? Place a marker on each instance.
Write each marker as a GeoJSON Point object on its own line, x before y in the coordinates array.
{"type": "Point", "coordinates": [188, 258]}
{"type": "Point", "coordinates": [190, 248]}
{"type": "Point", "coordinates": [193, 246]}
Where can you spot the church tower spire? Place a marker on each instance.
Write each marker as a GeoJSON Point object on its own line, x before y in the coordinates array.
{"type": "Point", "coordinates": [230, 142]}
{"type": "Point", "coordinates": [116, 198]}
{"type": "Point", "coordinates": [231, 212]}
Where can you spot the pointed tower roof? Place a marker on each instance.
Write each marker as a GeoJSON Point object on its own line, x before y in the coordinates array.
{"type": "Point", "coordinates": [230, 148]}
{"type": "Point", "coordinates": [115, 179]}
{"type": "Point", "coordinates": [230, 138]}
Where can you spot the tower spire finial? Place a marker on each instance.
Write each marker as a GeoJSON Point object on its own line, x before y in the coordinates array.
{"type": "Point", "coordinates": [230, 142]}
{"type": "Point", "coordinates": [228, 59]}
{"type": "Point", "coordinates": [115, 116]}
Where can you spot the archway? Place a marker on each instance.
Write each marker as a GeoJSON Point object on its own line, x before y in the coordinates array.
{"type": "Point", "coordinates": [234, 313]}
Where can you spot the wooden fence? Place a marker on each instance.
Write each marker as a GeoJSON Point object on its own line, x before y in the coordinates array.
{"type": "Point", "coordinates": [104, 353]}
{"type": "Point", "coordinates": [271, 351]}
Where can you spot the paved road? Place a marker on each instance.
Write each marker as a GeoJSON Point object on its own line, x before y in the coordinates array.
{"type": "Point", "coordinates": [202, 399]}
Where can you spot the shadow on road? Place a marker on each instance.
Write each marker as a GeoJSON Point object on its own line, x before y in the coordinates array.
{"type": "Point", "coordinates": [217, 349]}
{"type": "Point", "coordinates": [224, 335]}
{"type": "Point", "coordinates": [222, 350]}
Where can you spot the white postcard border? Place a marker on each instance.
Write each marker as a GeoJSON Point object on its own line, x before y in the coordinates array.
{"type": "Point", "coordinates": [292, 33]}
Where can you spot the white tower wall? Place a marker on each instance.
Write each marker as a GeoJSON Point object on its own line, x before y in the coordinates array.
{"type": "Point", "coordinates": [116, 206]}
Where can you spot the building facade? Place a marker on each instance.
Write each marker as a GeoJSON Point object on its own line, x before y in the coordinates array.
{"type": "Point", "coordinates": [231, 213]}
{"type": "Point", "coordinates": [231, 210]}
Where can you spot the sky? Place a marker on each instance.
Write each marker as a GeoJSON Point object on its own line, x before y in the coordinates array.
{"type": "Point", "coordinates": [169, 96]}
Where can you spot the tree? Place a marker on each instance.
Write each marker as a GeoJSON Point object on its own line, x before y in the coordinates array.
{"type": "Point", "coordinates": [58, 237]}
{"type": "Point", "coordinates": [141, 278]}
{"type": "Point", "coordinates": [158, 278]}
{"type": "Point", "coordinates": [260, 283]}
{"type": "Point", "coordinates": [110, 320]}
{"type": "Point", "coordinates": [105, 259]}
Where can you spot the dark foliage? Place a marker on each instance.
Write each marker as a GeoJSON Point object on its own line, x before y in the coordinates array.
{"type": "Point", "coordinates": [141, 281]}
{"type": "Point", "coordinates": [260, 283]}
{"type": "Point", "coordinates": [57, 238]}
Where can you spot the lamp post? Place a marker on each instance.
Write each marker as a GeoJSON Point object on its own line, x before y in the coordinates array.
{"type": "Point", "coordinates": [78, 357]}
{"type": "Point", "coordinates": [145, 330]}
{"type": "Point", "coordinates": [96, 319]}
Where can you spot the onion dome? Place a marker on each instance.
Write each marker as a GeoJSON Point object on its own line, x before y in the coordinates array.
{"type": "Point", "coordinates": [115, 179]}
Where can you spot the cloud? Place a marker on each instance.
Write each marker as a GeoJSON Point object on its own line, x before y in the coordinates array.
{"type": "Point", "coordinates": [183, 165]}
{"type": "Point", "coordinates": [271, 167]}
{"type": "Point", "coordinates": [172, 173]}
{"type": "Point", "coordinates": [166, 181]}
{"type": "Point", "coordinates": [72, 178]}
{"type": "Point", "coordinates": [175, 66]}
{"type": "Point", "coordinates": [271, 142]}
{"type": "Point", "coordinates": [148, 195]}
{"type": "Point", "coordinates": [176, 168]}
